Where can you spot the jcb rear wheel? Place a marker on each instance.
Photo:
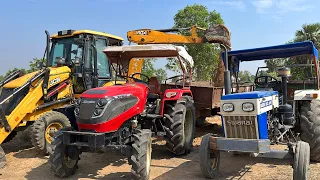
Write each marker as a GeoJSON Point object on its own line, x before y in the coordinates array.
{"type": "Point", "coordinates": [43, 130]}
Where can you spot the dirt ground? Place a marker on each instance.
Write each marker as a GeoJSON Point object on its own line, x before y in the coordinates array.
{"type": "Point", "coordinates": [24, 162]}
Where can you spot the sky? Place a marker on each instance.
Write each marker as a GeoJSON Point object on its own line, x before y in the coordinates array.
{"type": "Point", "coordinates": [252, 23]}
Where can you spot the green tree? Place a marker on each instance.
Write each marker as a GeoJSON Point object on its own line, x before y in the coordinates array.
{"type": "Point", "coordinates": [245, 76]}
{"type": "Point", "coordinates": [33, 65]}
{"type": "Point", "coordinates": [205, 56]}
{"type": "Point", "coordinates": [149, 70]}
{"type": "Point", "coordinates": [1, 78]}
{"type": "Point", "coordinates": [15, 69]}
{"type": "Point", "coordinates": [161, 75]}
{"type": "Point", "coordinates": [308, 32]}
{"type": "Point", "coordinates": [273, 63]}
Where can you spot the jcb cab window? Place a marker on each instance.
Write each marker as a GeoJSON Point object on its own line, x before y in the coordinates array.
{"type": "Point", "coordinates": [102, 61]}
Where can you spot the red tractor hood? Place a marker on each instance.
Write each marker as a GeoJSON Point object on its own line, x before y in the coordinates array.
{"type": "Point", "coordinates": [139, 90]}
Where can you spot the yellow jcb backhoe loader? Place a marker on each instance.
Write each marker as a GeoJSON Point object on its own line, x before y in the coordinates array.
{"type": "Point", "coordinates": [41, 102]}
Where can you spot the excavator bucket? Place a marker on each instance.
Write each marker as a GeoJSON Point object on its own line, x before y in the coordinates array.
{"type": "Point", "coordinates": [218, 34]}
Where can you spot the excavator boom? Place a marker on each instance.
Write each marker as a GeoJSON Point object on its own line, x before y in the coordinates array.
{"type": "Point", "coordinates": [215, 34]}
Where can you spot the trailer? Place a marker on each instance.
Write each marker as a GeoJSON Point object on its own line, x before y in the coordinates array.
{"type": "Point", "coordinates": [207, 97]}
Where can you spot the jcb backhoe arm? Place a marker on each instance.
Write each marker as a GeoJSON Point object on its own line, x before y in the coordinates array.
{"type": "Point", "coordinates": [215, 34]}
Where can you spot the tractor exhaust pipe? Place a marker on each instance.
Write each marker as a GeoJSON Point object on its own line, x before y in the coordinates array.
{"type": "Point", "coordinates": [284, 73]}
{"type": "Point", "coordinates": [227, 76]}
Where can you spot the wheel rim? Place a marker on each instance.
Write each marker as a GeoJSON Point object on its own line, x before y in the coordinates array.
{"type": "Point", "coordinates": [148, 157]}
{"type": "Point", "coordinates": [51, 129]}
{"type": "Point", "coordinates": [69, 162]}
{"type": "Point", "coordinates": [188, 125]}
{"type": "Point", "coordinates": [213, 160]}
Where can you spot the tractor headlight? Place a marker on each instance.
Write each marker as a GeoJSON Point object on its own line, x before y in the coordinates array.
{"type": "Point", "coordinates": [247, 107]}
{"type": "Point", "coordinates": [227, 107]}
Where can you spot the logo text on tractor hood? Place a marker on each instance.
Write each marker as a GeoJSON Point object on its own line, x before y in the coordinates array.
{"type": "Point", "coordinates": [240, 123]}
{"type": "Point", "coordinates": [88, 102]}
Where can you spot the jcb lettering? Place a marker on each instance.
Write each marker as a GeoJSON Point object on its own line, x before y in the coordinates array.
{"type": "Point", "coordinates": [142, 32]}
{"type": "Point", "coordinates": [54, 81]}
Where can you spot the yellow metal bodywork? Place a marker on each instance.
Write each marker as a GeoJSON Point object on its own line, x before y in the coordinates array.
{"type": "Point", "coordinates": [149, 36]}
{"type": "Point", "coordinates": [26, 110]}
{"type": "Point", "coordinates": [88, 32]}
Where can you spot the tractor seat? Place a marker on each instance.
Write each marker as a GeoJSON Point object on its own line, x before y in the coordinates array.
{"type": "Point", "coordinates": [154, 86]}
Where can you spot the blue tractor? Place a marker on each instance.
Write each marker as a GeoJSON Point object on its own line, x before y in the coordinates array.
{"type": "Point", "coordinates": [278, 111]}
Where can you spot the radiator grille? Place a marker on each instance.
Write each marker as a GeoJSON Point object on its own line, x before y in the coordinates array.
{"type": "Point", "coordinates": [243, 127]}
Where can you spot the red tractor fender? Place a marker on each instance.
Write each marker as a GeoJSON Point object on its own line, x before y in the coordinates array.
{"type": "Point", "coordinates": [173, 95]}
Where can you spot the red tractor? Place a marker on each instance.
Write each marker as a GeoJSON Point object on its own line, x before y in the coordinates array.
{"type": "Point", "coordinates": [126, 116]}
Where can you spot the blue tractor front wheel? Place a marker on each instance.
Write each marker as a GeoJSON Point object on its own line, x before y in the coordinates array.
{"type": "Point", "coordinates": [209, 157]}
{"type": "Point", "coordinates": [301, 161]}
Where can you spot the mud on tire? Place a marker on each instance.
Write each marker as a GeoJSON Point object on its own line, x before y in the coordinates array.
{"type": "Point", "coordinates": [310, 127]}
{"type": "Point", "coordinates": [64, 159]}
{"type": "Point", "coordinates": [39, 129]}
{"type": "Point", "coordinates": [180, 126]}
{"type": "Point", "coordinates": [141, 154]}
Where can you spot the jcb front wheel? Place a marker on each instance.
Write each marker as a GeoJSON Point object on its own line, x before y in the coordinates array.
{"type": "Point", "coordinates": [43, 130]}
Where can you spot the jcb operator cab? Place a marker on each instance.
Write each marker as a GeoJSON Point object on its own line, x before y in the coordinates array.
{"type": "Point", "coordinates": [81, 50]}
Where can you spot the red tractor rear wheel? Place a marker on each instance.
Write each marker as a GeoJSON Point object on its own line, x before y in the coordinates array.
{"type": "Point", "coordinates": [180, 126]}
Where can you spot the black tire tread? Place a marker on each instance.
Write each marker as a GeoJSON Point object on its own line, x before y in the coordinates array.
{"type": "Point", "coordinates": [139, 154]}
{"type": "Point", "coordinates": [204, 156]}
{"type": "Point", "coordinates": [38, 129]}
{"type": "Point", "coordinates": [310, 126]}
{"type": "Point", "coordinates": [56, 158]}
{"type": "Point", "coordinates": [301, 161]}
{"type": "Point", "coordinates": [174, 125]}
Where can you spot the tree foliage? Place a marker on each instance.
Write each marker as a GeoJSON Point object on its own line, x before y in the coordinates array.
{"type": "Point", "coordinates": [149, 70]}
{"type": "Point", "coordinates": [308, 32]}
{"type": "Point", "coordinates": [245, 76]}
{"type": "Point", "coordinates": [205, 56]}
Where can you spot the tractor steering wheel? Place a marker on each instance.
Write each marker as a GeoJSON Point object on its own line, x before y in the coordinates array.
{"type": "Point", "coordinates": [265, 81]}
{"type": "Point", "coordinates": [177, 80]}
{"type": "Point", "coordinates": [139, 80]}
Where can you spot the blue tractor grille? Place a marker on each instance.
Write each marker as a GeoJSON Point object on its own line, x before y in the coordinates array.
{"type": "Point", "coordinates": [243, 127]}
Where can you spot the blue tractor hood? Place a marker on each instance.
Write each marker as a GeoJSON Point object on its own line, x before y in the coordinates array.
{"type": "Point", "coordinates": [249, 95]}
